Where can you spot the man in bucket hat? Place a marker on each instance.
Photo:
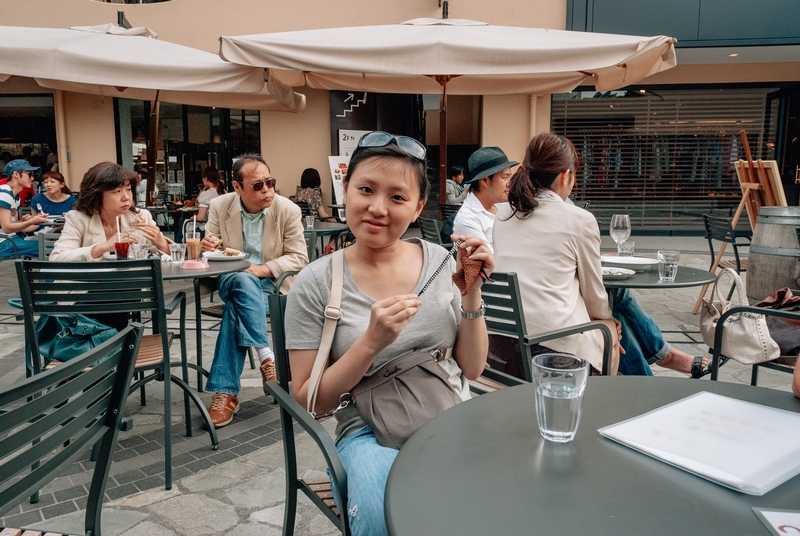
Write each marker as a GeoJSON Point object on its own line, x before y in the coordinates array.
{"type": "Point", "coordinates": [490, 171]}
{"type": "Point", "coordinates": [20, 175]}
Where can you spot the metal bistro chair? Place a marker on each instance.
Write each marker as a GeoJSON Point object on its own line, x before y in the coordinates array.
{"type": "Point", "coordinates": [429, 228]}
{"type": "Point", "coordinates": [448, 210]}
{"type": "Point", "coordinates": [720, 229]}
{"type": "Point", "coordinates": [318, 491]}
{"type": "Point", "coordinates": [311, 245]}
{"type": "Point", "coordinates": [782, 364]}
{"type": "Point", "coordinates": [46, 243]}
{"type": "Point", "coordinates": [505, 316]}
{"type": "Point", "coordinates": [50, 420]}
{"type": "Point", "coordinates": [63, 288]}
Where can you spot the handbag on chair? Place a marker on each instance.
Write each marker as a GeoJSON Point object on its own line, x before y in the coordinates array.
{"type": "Point", "coordinates": [746, 336]}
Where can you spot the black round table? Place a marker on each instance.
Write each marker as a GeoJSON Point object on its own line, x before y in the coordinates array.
{"type": "Point", "coordinates": [172, 270]}
{"type": "Point", "coordinates": [483, 468]}
{"type": "Point", "coordinates": [686, 277]}
{"type": "Point", "coordinates": [325, 228]}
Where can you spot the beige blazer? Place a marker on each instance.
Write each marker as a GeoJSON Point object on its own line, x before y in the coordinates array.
{"type": "Point", "coordinates": [283, 247]}
{"type": "Point", "coordinates": [81, 233]}
{"type": "Point", "coordinates": [556, 255]}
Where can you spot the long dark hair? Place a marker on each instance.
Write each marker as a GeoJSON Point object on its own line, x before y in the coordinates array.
{"type": "Point", "coordinates": [60, 178]}
{"type": "Point", "coordinates": [101, 178]}
{"type": "Point", "coordinates": [211, 174]}
{"type": "Point", "coordinates": [548, 155]}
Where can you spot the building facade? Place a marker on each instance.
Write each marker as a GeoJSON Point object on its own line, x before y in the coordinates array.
{"type": "Point", "coordinates": [85, 129]}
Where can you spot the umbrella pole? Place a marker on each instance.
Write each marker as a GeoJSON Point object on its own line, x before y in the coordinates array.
{"type": "Point", "coordinates": [152, 150]}
{"type": "Point", "coordinates": [443, 80]}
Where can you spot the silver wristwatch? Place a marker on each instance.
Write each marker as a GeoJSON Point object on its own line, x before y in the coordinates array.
{"type": "Point", "coordinates": [474, 314]}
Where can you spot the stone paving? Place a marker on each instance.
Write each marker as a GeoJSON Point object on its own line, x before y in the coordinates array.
{"type": "Point", "coordinates": [239, 488]}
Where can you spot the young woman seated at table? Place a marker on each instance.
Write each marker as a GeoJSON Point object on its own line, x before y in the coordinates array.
{"type": "Point", "coordinates": [212, 187]}
{"type": "Point", "coordinates": [555, 250]}
{"type": "Point", "coordinates": [107, 197]}
{"type": "Point", "coordinates": [382, 315]}
{"type": "Point", "coordinates": [56, 198]}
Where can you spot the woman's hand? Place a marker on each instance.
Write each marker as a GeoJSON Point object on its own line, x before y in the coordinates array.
{"type": "Point", "coordinates": [387, 319]}
{"type": "Point", "coordinates": [153, 234]}
{"type": "Point", "coordinates": [476, 249]}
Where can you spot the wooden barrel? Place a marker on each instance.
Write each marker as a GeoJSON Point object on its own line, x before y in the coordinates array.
{"type": "Point", "coordinates": [774, 260]}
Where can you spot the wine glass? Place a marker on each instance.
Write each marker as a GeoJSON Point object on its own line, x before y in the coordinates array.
{"type": "Point", "coordinates": [620, 228]}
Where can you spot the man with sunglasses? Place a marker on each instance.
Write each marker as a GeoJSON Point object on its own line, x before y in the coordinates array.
{"type": "Point", "coordinates": [20, 175]}
{"type": "Point", "coordinates": [267, 228]}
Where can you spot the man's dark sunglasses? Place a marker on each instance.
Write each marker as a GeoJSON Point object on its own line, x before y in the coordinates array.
{"type": "Point", "coordinates": [258, 186]}
{"type": "Point", "coordinates": [376, 139]}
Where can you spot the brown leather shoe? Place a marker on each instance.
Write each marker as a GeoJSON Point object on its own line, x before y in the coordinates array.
{"type": "Point", "coordinates": [223, 408]}
{"type": "Point", "coordinates": [268, 373]}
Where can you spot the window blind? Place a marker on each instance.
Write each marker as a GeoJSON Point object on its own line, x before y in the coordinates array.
{"type": "Point", "coordinates": [663, 156]}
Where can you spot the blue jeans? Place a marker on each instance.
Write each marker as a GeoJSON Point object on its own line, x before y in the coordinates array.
{"type": "Point", "coordinates": [367, 464]}
{"type": "Point", "coordinates": [641, 338]}
{"type": "Point", "coordinates": [244, 324]}
{"type": "Point", "coordinates": [25, 248]}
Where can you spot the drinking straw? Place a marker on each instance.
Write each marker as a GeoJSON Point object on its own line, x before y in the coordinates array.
{"type": "Point", "coordinates": [119, 235]}
{"type": "Point", "coordinates": [194, 224]}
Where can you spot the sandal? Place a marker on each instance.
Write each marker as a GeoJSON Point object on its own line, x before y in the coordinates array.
{"type": "Point", "coordinates": [697, 367]}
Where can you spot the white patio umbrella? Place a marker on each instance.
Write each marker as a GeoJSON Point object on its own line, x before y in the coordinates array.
{"type": "Point", "coordinates": [131, 63]}
{"type": "Point", "coordinates": [457, 56]}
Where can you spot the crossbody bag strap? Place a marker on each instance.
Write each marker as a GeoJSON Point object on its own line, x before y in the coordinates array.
{"type": "Point", "coordinates": [332, 314]}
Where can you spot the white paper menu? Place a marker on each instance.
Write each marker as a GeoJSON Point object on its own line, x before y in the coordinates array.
{"type": "Point", "coordinates": [744, 446]}
{"type": "Point", "coordinates": [779, 522]}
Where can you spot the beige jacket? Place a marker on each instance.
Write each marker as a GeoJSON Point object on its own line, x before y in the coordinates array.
{"type": "Point", "coordinates": [283, 248]}
{"type": "Point", "coordinates": [556, 255]}
{"type": "Point", "coordinates": [81, 233]}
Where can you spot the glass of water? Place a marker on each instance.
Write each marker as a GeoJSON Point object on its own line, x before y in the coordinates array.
{"type": "Point", "coordinates": [668, 264]}
{"type": "Point", "coordinates": [559, 380]}
{"type": "Point", "coordinates": [620, 228]}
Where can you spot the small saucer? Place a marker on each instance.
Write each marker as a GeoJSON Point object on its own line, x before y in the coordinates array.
{"type": "Point", "coordinates": [194, 265]}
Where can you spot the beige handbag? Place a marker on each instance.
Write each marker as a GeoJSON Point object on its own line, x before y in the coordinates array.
{"type": "Point", "coordinates": [745, 336]}
{"type": "Point", "coordinates": [399, 397]}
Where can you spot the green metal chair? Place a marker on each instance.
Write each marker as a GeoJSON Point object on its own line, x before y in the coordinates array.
{"type": "Point", "coordinates": [782, 364]}
{"type": "Point", "coordinates": [318, 491]}
{"type": "Point", "coordinates": [720, 229]}
{"type": "Point", "coordinates": [505, 316]}
{"type": "Point", "coordinates": [122, 287]}
{"type": "Point", "coordinates": [311, 245]}
{"type": "Point", "coordinates": [46, 243]}
{"type": "Point", "coordinates": [429, 228]}
{"type": "Point", "coordinates": [51, 419]}
{"type": "Point", "coordinates": [448, 210]}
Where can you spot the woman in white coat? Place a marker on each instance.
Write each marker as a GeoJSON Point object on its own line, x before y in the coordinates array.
{"type": "Point", "coordinates": [106, 197]}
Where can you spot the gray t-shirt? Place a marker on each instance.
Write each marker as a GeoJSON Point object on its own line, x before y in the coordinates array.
{"type": "Point", "coordinates": [434, 326]}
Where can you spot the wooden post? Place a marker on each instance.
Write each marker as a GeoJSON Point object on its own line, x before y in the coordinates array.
{"type": "Point", "coordinates": [152, 151]}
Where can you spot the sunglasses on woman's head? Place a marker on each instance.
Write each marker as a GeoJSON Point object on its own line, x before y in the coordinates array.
{"type": "Point", "coordinates": [376, 139]}
{"type": "Point", "coordinates": [258, 186]}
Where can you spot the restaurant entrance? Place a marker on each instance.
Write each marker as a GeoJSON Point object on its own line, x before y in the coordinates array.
{"type": "Point", "coordinates": [190, 138]}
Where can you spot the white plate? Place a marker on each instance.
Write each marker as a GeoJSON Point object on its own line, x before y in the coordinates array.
{"type": "Point", "coordinates": [640, 264]}
{"type": "Point", "coordinates": [53, 220]}
{"type": "Point", "coordinates": [612, 273]}
{"type": "Point", "coordinates": [218, 256]}
{"type": "Point", "coordinates": [110, 256]}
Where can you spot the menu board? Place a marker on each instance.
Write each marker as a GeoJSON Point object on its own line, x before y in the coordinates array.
{"type": "Point", "coordinates": [338, 165]}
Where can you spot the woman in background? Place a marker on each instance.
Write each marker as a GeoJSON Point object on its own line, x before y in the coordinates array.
{"type": "Point", "coordinates": [56, 198]}
{"type": "Point", "coordinates": [212, 187]}
{"type": "Point", "coordinates": [310, 193]}
{"type": "Point", "coordinates": [554, 248]}
{"type": "Point", "coordinates": [90, 230]}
